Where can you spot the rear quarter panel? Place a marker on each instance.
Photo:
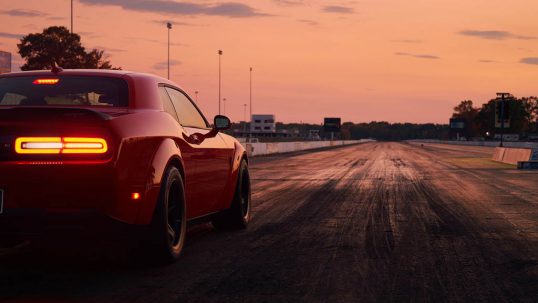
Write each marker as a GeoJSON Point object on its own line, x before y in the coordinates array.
{"type": "Point", "coordinates": [146, 145]}
{"type": "Point", "coordinates": [239, 155]}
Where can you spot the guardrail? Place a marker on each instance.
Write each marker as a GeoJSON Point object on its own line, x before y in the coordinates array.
{"type": "Point", "coordinates": [482, 143]}
{"type": "Point", "coordinates": [260, 149]}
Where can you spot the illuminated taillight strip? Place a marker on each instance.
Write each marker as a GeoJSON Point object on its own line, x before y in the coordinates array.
{"type": "Point", "coordinates": [84, 146]}
{"type": "Point", "coordinates": [60, 145]}
{"type": "Point", "coordinates": [46, 81]}
{"type": "Point", "coordinates": [38, 145]}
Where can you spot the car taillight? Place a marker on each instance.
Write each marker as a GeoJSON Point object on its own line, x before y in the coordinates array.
{"type": "Point", "coordinates": [46, 81]}
{"type": "Point", "coordinates": [60, 145]}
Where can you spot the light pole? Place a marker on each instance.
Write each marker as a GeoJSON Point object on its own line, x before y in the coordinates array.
{"type": "Point", "coordinates": [169, 26]}
{"type": "Point", "coordinates": [220, 55]}
{"type": "Point", "coordinates": [71, 16]}
{"type": "Point", "coordinates": [250, 98]}
{"type": "Point", "coordinates": [196, 97]}
{"type": "Point", "coordinates": [245, 119]}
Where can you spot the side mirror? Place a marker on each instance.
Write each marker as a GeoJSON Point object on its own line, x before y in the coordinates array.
{"type": "Point", "coordinates": [222, 122]}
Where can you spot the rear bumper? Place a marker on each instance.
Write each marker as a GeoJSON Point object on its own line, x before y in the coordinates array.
{"type": "Point", "coordinates": [38, 195]}
{"type": "Point", "coordinates": [37, 222]}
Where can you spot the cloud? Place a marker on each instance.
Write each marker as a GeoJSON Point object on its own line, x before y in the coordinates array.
{"type": "Point", "coordinates": [338, 9]}
{"type": "Point", "coordinates": [289, 2]}
{"type": "Point", "coordinates": [168, 7]}
{"type": "Point", "coordinates": [529, 60]}
{"type": "Point", "coordinates": [494, 35]}
{"type": "Point", "coordinates": [9, 35]}
{"type": "Point", "coordinates": [164, 64]}
{"type": "Point", "coordinates": [23, 13]}
{"type": "Point", "coordinates": [407, 41]}
{"type": "Point", "coordinates": [420, 56]}
{"type": "Point", "coordinates": [309, 22]}
{"type": "Point", "coordinates": [174, 23]}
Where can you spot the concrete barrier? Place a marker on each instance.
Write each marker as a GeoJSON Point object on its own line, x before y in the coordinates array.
{"type": "Point", "coordinates": [512, 155]}
{"type": "Point", "coordinates": [498, 154]}
{"type": "Point", "coordinates": [260, 149]}
{"type": "Point", "coordinates": [531, 145]}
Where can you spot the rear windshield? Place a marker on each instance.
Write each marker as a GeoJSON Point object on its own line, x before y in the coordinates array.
{"type": "Point", "coordinates": [63, 91]}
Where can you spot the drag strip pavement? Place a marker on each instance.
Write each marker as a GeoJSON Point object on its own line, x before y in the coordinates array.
{"type": "Point", "coordinates": [371, 222]}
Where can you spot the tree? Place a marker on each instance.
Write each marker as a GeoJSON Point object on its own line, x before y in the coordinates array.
{"type": "Point", "coordinates": [466, 111]}
{"type": "Point", "coordinates": [57, 46]}
{"type": "Point", "coordinates": [531, 105]}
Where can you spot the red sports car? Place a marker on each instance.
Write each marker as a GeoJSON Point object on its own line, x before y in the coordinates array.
{"type": "Point", "coordinates": [133, 147]}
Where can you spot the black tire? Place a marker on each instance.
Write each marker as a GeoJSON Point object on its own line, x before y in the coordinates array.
{"type": "Point", "coordinates": [238, 215]}
{"type": "Point", "coordinates": [169, 225]}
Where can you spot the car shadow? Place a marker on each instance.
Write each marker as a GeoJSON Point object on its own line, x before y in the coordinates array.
{"type": "Point", "coordinates": [71, 266]}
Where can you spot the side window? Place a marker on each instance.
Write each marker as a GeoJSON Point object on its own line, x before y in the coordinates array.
{"type": "Point", "coordinates": [187, 113]}
{"type": "Point", "coordinates": [167, 103]}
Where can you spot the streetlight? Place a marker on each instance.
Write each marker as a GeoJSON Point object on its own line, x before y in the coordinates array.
{"type": "Point", "coordinates": [71, 16]}
{"type": "Point", "coordinates": [245, 119]}
{"type": "Point", "coordinates": [224, 105]}
{"type": "Point", "coordinates": [250, 98]}
{"type": "Point", "coordinates": [220, 55]}
{"type": "Point", "coordinates": [196, 96]}
{"type": "Point", "coordinates": [169, 26]}
{"type": "Point", "coordinates": [250, 93]}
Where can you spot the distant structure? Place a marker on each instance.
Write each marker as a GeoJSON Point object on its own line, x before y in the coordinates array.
{"type": "Point", "coordinates": [5, 62]}
{"type": "Point", "coordinates": [263, 124]}
{"type": "Point", "coordinates": [459, 130]}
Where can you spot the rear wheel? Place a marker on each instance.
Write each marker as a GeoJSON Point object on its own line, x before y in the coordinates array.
{"type": "Point", "coordinates": [169, 224]}
{"type": "Point", "coordinates": [238, 215]}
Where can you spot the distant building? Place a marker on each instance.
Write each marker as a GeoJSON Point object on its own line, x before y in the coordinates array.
{"type": "Point", "coordinates": [263, 124]}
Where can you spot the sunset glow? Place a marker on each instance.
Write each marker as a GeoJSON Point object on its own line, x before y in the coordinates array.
{"type": "Point", "coordinates": [391, 60]}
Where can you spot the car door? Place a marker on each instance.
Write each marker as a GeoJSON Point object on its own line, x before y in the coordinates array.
{"type": "Point", "coordinates": [211, 157]}
{"type": "Point", "coordinates": [187, 153]}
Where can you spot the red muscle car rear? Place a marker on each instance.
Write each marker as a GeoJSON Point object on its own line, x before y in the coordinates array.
{"type": "Point", "coordinates": [114, 144]}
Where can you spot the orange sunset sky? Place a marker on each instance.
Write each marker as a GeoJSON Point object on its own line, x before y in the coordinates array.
{"type": "Point", "coordinates": [390, 60]}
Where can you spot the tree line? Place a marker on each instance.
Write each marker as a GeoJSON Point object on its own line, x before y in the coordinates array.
{"type": "Point", "coordinates": [379, 130]}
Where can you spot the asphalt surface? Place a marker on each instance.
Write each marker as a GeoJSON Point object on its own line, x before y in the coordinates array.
{"type": "Point", "coordinates": [386, 222]}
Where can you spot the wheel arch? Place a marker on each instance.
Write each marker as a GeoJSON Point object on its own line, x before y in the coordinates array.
{"type": "Point", "coordinates": [167, 154]}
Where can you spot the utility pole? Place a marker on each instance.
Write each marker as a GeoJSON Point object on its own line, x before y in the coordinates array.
{"type": "Point", "coordinates": [169, 26]}
{"type": "Point", "coordinates": [250, 98]}
{"type": "Point", "coordinates": [502, 95]}
{"type": "Point", "coordinates": [71, 16]}
{"type": "Point", "coordinates": [245, 119]}
{"type": "Point", "coordinates": [250, 93]}
{"type": "Point", "coordinates": [220, 55]}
